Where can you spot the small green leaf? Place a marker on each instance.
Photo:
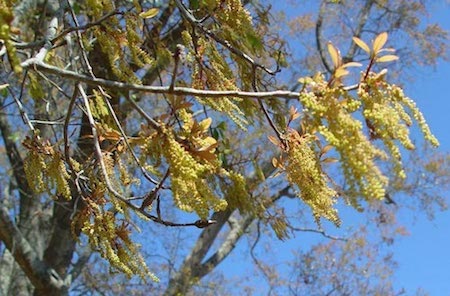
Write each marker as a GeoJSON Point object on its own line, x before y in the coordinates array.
{"type": "Point", "coordinates": [194, 4]}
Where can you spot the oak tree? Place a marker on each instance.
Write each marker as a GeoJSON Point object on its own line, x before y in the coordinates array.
{"type": "Point", "coordinates": [120, 115]}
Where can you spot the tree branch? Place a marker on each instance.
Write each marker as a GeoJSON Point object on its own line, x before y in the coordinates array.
{"type": "Point", "coordinates": [227, 246]}
{"type": "Point", "coordinates": [178, 91]}
{"type": "Point", "coordinates": [41, 276]}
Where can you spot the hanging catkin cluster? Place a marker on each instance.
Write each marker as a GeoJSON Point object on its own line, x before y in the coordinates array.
{"type": "Point", "coordinates": [329, 111]}
{"type": "Point", "coordinates": [303, 169]}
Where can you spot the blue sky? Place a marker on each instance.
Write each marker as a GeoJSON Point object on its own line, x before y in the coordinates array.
{"type": "Point", "coordinates": [424, 255]}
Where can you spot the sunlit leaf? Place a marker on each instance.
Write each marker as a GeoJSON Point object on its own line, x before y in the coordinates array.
{"type": "Point", "coordinates": [330, 160]}
{"type": "Point", "coordinates": [386, 50]}
{"type": "Point", "coordinates": [340, 72]}
{"type": "Point", "coordinates": [326, 149]}
{"type": "Point", "coordinates": [386, 58]}
{"type": "Point", "coordinates": [351, 64]}
{"type": "Point", "coordinates": [361, 44]}
{"type": "Point", "coordinates": [152, 12]}
{"type": "Point", "coordinates": [3, 86]}
{"type": "Point", "coordinates": [112, 135]}
{"type": "Point", "coordinates": [275, 162]}
{"type": "Point", "coordinates": [205, 124]}
{"type": "Point", "coordinates": [334, 54]}
{"type": "Point", "coordinates": [379, 42]}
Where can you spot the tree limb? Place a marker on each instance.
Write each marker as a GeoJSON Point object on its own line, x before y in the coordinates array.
{"type": "Point", "coordinates": [41, 276]}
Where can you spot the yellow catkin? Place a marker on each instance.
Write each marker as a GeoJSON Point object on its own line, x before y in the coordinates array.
{"type": "Point", "coordinates": [113, 243]}
{"type": "Point", "coordinates": [303, 169]}
{"type": "Point", "coordinates": [58, 176]}
{"type": "Point", "coordinates": [34, 167]}
{"type": "Point", "coordinates": [328, 110]}
{"type": "Point", "coordinates": [389, 114]}
{"type": "Point", "coordinates": [188, 180]}
{"type": "Point", "coordinates": [236, 193]}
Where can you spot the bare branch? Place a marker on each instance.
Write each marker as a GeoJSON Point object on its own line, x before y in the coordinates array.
{"type": "Point", "coordinates": [319, 231]}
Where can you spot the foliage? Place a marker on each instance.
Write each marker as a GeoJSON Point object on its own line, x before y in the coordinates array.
{"type": "Point", "coordinates": [127, 148]}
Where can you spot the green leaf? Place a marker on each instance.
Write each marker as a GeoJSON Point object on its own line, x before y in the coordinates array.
{"type": "Point", "coordinates": [194, 4]}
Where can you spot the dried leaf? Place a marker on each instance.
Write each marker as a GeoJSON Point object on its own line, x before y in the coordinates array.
{"type": "Point", "coordinates": [293, 114]}
{"type": "Point", "coordinates": [112, 135]}
{"type": "Point", "coordinates": [361, 44]}
{"type": "Point", "coordinates": [152, 12]}
{"type": "Point", "coordinates": [379, 42]}
{"type": "Point", "coordinates": [386, 58]}
{"type": "Point", "coordinates": [274, 140]}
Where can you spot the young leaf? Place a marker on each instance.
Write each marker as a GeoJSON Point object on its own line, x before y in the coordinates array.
{"type": "Point", "coordinates": [361, 44]}
{"type": "Point", "coordinates": [326, 149]}
{"type": "Point", "coordinates": [387, 58]}
{"type": "Point", "coordinates": [152, 12]}
{"type": "Point", "coordinates": [334, 54]}
{"type": "Point", "coordinates": [340, 72]}
{"type": "Point", "coordinates": [330, 160]}
{"type": "Point", "coordinates": [351, 64]}
{"type": "Point", "coordinates": [205, 124]}
{"type": "Point", "coordinates": [379, 42]}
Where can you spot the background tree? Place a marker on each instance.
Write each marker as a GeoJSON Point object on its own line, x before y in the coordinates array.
{"type": "Point", "coordinates": [132, 110]}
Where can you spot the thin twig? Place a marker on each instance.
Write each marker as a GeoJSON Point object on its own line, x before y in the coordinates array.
{"type": "Point", "coordinates": [22, 112]}
{"type": "Point", "coordinates": [198, 24]}
{"type": "Point", "coordinates": [202, 223]}
{"type": "Point", "coordinates": [319, 35]}
{"type": "Point", "coordinates": [319, 231]}
{"type": "Point", "coordinates": [85, 27]}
